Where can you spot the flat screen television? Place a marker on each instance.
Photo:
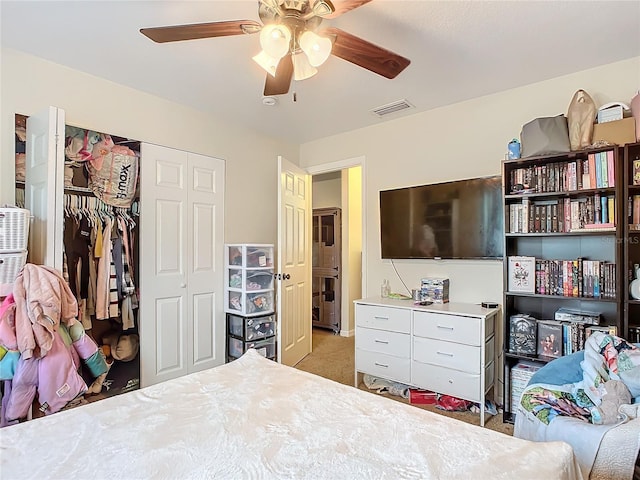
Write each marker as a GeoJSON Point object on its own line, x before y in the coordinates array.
{"type": "Point", "coordinates": [453, 220]}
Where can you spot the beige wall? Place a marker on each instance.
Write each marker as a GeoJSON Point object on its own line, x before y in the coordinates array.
{"type": "Point", "coordinates": [464, 140]}
{"type": "Point", "coordinates": [29, 84]}
{"type": "Point", "coordinates": [352, 246]}
{"type": "Point", "coordinates": [327, 190]}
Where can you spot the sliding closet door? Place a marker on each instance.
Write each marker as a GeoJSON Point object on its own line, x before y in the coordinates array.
{"type": "Point", "coordinates": [181, 251]}
{"type": "Point", "coordinates": [44, 179]}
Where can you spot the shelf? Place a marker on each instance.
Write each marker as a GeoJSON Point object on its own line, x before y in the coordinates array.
{"type": "Point", "coordinates": [567, 194]}
{"type": "Point", "coordinates": [561, 297]}
{"type": "Point", "coordinates": [533, 358]}
{"type": "Point", "coordinates": [581, 233]}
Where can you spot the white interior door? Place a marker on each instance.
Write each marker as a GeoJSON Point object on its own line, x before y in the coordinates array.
{"type": "Point", "coordinates": [205, 278]}
{"type": "Point", "coordinates": [293, 307]}
{"type": "Point", "coordinates": [44, 184]}
{"type": "Point", "coordinates": [163, 264]}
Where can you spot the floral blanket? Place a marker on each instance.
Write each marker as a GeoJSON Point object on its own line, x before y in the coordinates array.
{"type": "Point", "coordinates": [606, 357]}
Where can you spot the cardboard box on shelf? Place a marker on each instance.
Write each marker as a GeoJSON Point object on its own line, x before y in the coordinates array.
{"type": "Point", "coordinates": [618, 132]}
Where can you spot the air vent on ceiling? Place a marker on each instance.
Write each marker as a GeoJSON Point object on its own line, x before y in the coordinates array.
{"type": "Point", "coordinates": [392, 108]}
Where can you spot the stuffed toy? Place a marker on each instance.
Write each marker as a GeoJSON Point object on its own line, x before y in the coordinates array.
{"type": "Point", "coordinates": [617, 394]}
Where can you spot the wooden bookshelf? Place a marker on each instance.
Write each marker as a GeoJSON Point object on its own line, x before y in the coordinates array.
{"type": "Point", "coordinates": [586, 228]}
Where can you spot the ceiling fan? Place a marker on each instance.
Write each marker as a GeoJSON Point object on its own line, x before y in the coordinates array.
{"type": "Point", "coordinates": [292, 44]}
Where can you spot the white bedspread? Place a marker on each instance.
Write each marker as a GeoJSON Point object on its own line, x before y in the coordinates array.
{"type": "Point", "coordinates": [254, 418]}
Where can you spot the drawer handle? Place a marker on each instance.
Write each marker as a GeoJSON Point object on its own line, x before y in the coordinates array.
{"type": "Point", "coordinates": [381, 365]}
{"type": "Point", "coordinates": [381, 341]}
{"type": "Point", "coordinates": [380, 318]}
{"type": "Point", "coordinates": [445, 354]}
{"type": "Point", "coordinates": [445, 327]}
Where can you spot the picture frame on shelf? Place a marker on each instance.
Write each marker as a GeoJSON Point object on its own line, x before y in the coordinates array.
{"type": "Point", "coordinates": [522, 274]}
{"type": "Point", "coordinates": [549, 339]}
{"type": "Point", "coordinates": [523, 330]}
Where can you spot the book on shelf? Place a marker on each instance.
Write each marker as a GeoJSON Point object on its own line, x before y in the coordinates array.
{"type": "Point", "coordinates": [550, 337]}
{"type": "Point", "coordinates": [636, 171]}
{"type": "Point", "coordinates": [522, 334]}
{"type": "Point", "coordinates": [520, 374]}
{"type": "Point", "coordinates": [611, 168]}
{"type": "Point", "coordinates": [522, 274]}
{"type": "Point", "coordinates": [596, 227]}
{"type": "Point", "coordinates": [606, 329]}
{"type": "Point", "coordinates": [636, 209]}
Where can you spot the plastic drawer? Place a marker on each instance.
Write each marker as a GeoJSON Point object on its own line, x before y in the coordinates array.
{"type": "Point", "coordinates": [259, 280]}
{"type": "Point", "coordinates": [250, 280]}
{"type": "Point", "coordinates": [266, 347]}
{"type": "Point", "coordinates": [251, 328]}
{"type": "Point", "coordinates": [251, 303]}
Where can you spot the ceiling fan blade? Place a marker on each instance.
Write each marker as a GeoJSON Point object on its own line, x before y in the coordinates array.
{"type": "Point", "coordinates": [177, 33]}
{"type": "Point", "coordinates": [365, 54]}
{"type": "Point", "coordinates": [344, 6]}
{"type": "Point", "coordinates": [279, 85]}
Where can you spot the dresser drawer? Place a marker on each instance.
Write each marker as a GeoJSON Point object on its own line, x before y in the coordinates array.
{"type": "Point", "coordinates": [383, 318]}
{"type": "Point", "coordinates": [447, 354]}
{"type": "Point", "coordinates": [444, 380]}
{"type": "Point", "coordinates": [385, 366]}
{"type": "Point", "coordinates": [390, 343]}
{"type": "Point", "coordinates": [452, 328]}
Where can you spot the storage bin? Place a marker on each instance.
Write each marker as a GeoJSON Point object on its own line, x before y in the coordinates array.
{"type": "Point", "coordinates": [250, 256]}
{"type": "Point", "coordinates": [250, 303]}
{"type": "Point", "coordinates": [259, 280]}
{"type": "Point", "coordinates": [253, 280]}
{"type": "Point", "coordinates": [251, 328]}
{"type": "Point", "coordinates": [259, 257]}
{"type": "Point", "coordinates": [14, 229]}
{"type": "Point", "coordinates": [249, 279]}
{"type": "Point", "coordinates": [10, 266]}
{"type": "Point", "coordinates": [266, 347]}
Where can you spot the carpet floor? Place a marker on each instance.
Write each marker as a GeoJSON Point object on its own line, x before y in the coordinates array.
{"type": "Point", "coordinates": [333, 357]}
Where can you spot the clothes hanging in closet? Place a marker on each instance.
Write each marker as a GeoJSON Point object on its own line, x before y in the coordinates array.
{"type": "Point", "coordinates": [99, 259]}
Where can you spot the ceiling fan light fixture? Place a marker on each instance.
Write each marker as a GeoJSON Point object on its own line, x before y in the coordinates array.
{"type": "Point", "coordinates": [316, 48]}
{"type": "Point", "coordinates": [320, 9]}
{"type": "Point", "coordinates": [267, 62]}
{"type": "Point", "coordinates": [302, 69]}
{"type": "Point", "coordinates": [275, 39]}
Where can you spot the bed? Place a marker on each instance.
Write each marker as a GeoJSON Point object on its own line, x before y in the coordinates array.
{"type": "Point", "coordinates": [254, 418]}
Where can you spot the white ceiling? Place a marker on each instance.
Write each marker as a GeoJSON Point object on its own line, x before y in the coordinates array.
{"type": "Point", "coordinates": [458, 50]}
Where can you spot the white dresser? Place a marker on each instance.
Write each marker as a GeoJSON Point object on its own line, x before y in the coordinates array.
{"type": "Point", "coordinates": [446, 348]}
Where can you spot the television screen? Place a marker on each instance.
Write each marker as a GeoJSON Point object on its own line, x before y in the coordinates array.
{"type": "Point", "coordinates": [461, 219]}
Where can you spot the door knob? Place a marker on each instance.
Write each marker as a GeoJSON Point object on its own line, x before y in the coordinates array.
{"type": "Point", "coordinates": [286, 276]}
{"type": "Point", "coordinates": [183, 285]}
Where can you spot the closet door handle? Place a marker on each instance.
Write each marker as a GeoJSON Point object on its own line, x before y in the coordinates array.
{"type": "Point", "coordinates": [183, 285]}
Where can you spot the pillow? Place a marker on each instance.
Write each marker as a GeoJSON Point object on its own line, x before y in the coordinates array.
{"type": "Point", "coordinates": [560, 371]}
